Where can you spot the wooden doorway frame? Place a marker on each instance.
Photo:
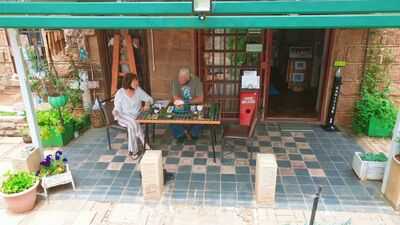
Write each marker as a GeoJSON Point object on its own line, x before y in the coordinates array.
{"type": "Point", "coordinates": [324, 91]}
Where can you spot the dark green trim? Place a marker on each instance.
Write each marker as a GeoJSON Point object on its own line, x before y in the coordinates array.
{"type": "Point", "coordinates": [185, 8]}
{"type": "Point", "coordinates": [140, 22]}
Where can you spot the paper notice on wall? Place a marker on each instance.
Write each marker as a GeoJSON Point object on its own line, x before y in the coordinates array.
{"type": "Point", "coordinates": [250, 80]}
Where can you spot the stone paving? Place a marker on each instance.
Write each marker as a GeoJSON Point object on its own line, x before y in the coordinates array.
{"type": "Point", "coordinates": [84, 212]}
{"type": "Point", "coordinates": [306, 160]}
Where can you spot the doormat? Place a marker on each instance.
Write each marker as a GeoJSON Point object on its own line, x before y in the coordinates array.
{"type": "Point", "coordinates": [295, 127]}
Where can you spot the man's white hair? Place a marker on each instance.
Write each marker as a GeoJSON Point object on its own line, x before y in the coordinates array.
{"type": "Point", "coordinates": [184, 71]}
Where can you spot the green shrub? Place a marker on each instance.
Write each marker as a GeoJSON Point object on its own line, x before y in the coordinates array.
{"type": "Point", "coordinates": [51, 118]}
{"type": "Point", "coordinates": [376, 105]}
{"type": "Point", "coordinates": [373, 157]}
{"type": "Point", "coordinates": [18, 182]}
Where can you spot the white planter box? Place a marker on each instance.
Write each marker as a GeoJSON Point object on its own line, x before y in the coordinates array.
{"type": "Point", "coordinates": [368, 170]}
{"type": "Point", "coordinates": [59, 179]}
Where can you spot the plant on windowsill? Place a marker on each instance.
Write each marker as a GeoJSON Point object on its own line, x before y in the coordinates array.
{"type": "Point", "coordinates": [369, 165]}
{"type": "Point", "coordinates": [19, 191]}
{"type": "Point", "coordinates": [375, 112]}
{"type": "Point", "coordinates": [55, 131]}
{"type": "Point", "coordinates": [54, 171]}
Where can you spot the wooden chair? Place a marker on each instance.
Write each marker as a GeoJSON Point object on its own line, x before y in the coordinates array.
{"type": "Point", "coordinates": [107, 107]}
{"type": "Point", "coordinates": [240, 133]}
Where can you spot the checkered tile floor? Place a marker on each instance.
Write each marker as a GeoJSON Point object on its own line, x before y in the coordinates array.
{"type": "Point", "coordinates": [306, 160]}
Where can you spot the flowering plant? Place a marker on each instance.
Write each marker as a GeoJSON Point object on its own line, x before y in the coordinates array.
{"type": "Point", "coordinates": [52, 166]}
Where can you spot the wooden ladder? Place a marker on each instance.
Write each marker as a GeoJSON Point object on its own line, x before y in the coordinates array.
{"type": "Point", "coordinates": [119, 47]}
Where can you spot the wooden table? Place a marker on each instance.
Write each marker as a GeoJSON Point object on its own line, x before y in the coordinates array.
{"type": "Point", "coordinates": [210, 122]}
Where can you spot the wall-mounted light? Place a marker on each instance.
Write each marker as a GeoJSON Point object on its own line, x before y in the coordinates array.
{"type": "Point", "coordinates": [201, 8]}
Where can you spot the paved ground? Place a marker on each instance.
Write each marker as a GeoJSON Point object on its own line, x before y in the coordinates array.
{"type": "Point", "coordinates": [107, 195]}
{"type": "Point", "coordinates": [307, 159]}
{"type": "Point", "coordinates": [81, 212]}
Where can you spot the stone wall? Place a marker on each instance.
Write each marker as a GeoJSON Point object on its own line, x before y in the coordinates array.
{"type": "Point", "coordinates": [172, 49]}
{"type": "Point", "coordinates": [351, 46]}
{"type": "Point", "coordinates": [11, 125]}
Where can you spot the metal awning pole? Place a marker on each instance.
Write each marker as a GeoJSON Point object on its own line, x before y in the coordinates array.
{"type": "Point", "coordinates": [24, 86]}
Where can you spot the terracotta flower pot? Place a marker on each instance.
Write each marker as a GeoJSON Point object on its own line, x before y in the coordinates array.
{"type": "Point", "coordinates": [23, 201]}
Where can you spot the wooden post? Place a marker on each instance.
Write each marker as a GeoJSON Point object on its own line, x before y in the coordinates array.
{"type": "Point", "coordinates": [266, 171]}
{"type": "Point", "coordinates": [152, 175]}
{"type": "Point", "coordinates": [24, 86]}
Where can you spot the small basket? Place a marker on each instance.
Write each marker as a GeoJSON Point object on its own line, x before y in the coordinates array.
{"type": "Point", "coordinates": [97, 119]}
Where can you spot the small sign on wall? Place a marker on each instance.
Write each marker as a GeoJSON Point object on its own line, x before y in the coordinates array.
{"type": "Point", "coordinates": [254, 47]}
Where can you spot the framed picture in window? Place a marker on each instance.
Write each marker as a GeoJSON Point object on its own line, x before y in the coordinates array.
{"type": "Point", "coordinates": [300, 65]}
{"type": "Point", "coordinates": [298, 77]}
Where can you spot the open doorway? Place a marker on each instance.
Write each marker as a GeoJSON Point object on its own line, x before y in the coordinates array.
{"type": "Point", "coordinates": [298, 60]}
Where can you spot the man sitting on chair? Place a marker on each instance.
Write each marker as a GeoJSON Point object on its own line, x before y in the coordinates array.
{"type": "Point", "coordinates": [187, 89]}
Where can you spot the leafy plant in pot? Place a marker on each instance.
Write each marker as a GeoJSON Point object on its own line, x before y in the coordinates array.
{"type": "Point", "coordinates": [369, 165]}
{"type": "Point", "coordinates": [19, 191]}
{"type": "Point", "coordinates": [54, 129]}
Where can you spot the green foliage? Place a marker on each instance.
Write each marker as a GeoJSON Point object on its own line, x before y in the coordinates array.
{"type": "Point", "coordinates": [73, 91]}
{"type": "Point", "coordinates": [373, 157]}
{"type": "Point", "coordinates": [18, 182]}
{"type": "Point", "coordinates": [375, 100]}
{"type": "Point", "coordinates": [52, 119]}
{"type": "Point", "coordinates": [43, 79]}
{"type": "Point", "coordinates": [376, 105]}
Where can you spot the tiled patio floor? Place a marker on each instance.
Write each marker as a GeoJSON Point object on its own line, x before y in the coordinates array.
{"type": "Point", "coordinates": [306, 159]}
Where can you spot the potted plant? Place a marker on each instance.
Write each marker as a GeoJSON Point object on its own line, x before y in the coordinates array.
{"type": "Point", "coordinates": [375, 115]}
{"type": "Point", "coordinates": [55, 171]}
{"type": "Point", "coordinates": [55, 131]}
{"type": "Point", "coordinates": [44, 80]}
{"type": "Point", "coordinates": [74, 90]}
{"type": "Point", "coordinates": [19, 191]}
{"type": "Point", "coordinates": [26, 137]}
{"type": "Point", "coordinates": [369, 165]}
{"type": "Point", "coordinates": [81, 123]}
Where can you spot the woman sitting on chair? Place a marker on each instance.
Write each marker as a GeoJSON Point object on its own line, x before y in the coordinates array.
{"type": "Point", "coordinates": [127, 106]}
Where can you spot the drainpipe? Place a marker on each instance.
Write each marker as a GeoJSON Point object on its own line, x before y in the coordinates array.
{"type": "Point", "coordinates": [24, 86]}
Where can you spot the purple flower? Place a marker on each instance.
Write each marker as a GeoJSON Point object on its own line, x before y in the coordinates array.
{"type": "Point", "coordinates": [57, 157]}
{"type": "Point", "coordinates": [59, 153]}
{"type": "Point", "coordinates": [48, 158]}
{"type": "Point", "coordinates": [45, 163]}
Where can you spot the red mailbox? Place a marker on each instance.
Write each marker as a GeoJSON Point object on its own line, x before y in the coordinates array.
{"type": "Point", "coordinates": [248, 106]}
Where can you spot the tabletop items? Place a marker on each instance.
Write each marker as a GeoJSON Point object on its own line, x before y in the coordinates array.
{"type": "Point", "coordinates": [184, 112]}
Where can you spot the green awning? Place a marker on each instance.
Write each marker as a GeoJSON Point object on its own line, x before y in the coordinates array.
{"type": "Point", "coordinates": [226, 14]}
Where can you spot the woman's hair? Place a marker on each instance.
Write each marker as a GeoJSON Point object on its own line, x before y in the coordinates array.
{"type": "Point", "coordinates": [127, 80]}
